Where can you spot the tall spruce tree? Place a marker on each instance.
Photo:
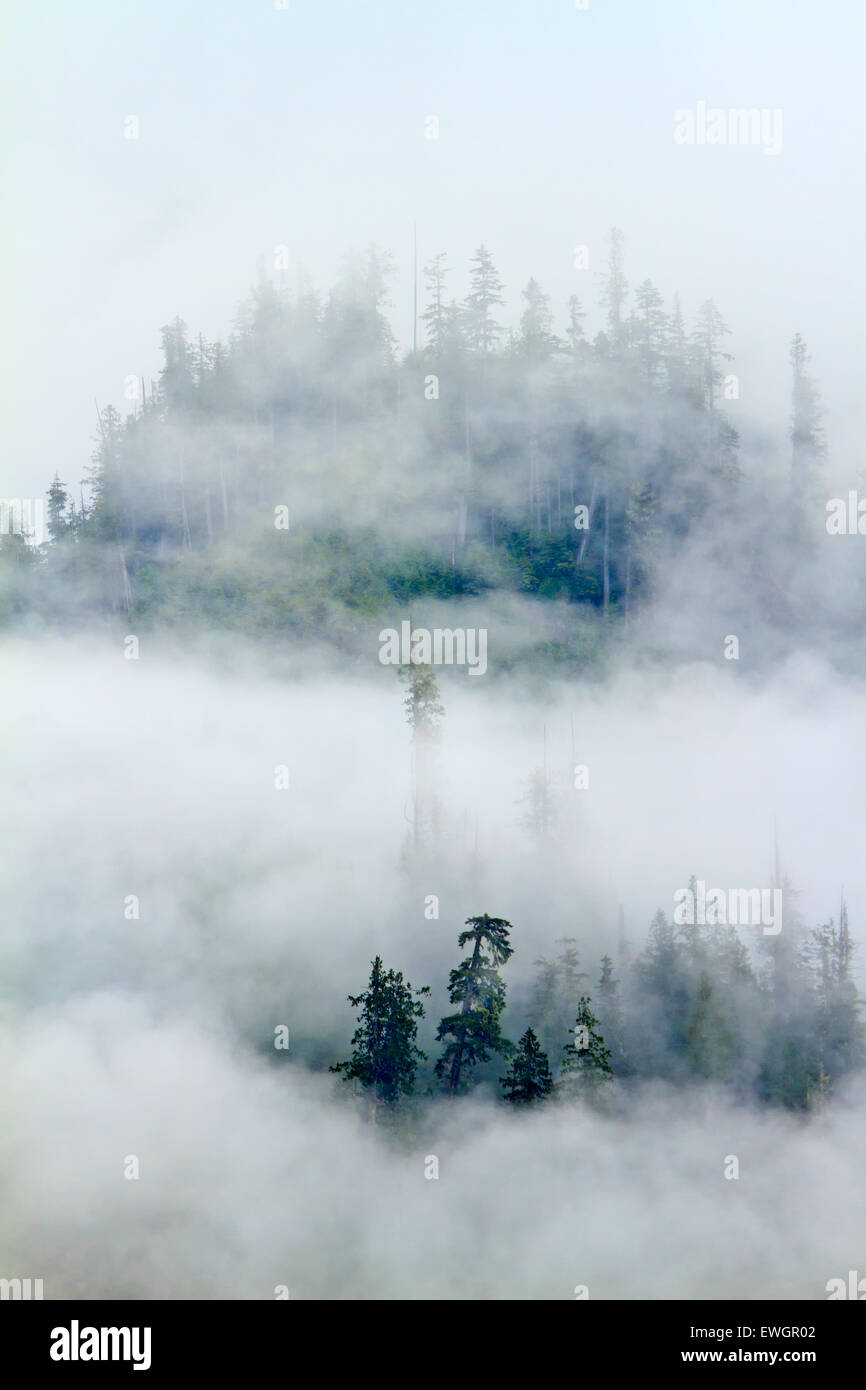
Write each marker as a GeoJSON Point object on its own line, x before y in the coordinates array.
{"type": "Point", "coordinates": [649, 331]}
{"type": "Point", "coordinates": [537, 341]}
{"type": "Point", "coordinates": [528, 1078]}
{"type": "Point", "coordinates": [385, 1054]}
{"type": "Point", "coordinates": [58, 504]}
{"type": "Point", "coordinates": [710, 329]}
{"type": "Point", "coordinates": [485, 295]}
{"type": "Point", "coordinates": [424, 710]}
{"type": "Point", "coordinates": [586, 1061]}
{"type": "Point", "coordinates": [435, 316]}
{"type": "Point", "coordinates": [610, 1013]}
{"type": "Point", "coordinates": [475, 1031]}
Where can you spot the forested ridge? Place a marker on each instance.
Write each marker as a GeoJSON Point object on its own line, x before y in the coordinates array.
{"type": "Point", "coordinates": [304, 477]}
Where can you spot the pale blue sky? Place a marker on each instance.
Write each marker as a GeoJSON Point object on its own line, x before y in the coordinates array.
{"type": "Point", "coordinates": [305, 126]}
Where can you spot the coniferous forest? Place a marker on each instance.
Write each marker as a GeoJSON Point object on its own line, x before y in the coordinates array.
{"type": "Point", "coordinates": [433, 659]}
{"type": "Point", "coordinates": [544, 464]}
{"type": "Point", "coordinates": [279, 504]}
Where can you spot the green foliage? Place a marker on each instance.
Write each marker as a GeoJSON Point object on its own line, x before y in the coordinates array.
{"type": "Point", "coordinates": [423, 707]}
{"type": "Point", "coordinates": [475, 1031]}
{"type": "Point", "coordinates": [385, 1056]}
{"type": "Point", "coordinates": [528, 1079]}
{"type": "Point", "coordinates": [586, 1061]}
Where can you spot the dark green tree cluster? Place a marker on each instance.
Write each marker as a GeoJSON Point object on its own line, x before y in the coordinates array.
{"type": "Point", "coordinates": [692, 1008]}
{"type": "Point", "coordinates": [385, 1056]}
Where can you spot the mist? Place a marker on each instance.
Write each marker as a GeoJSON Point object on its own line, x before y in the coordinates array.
{"type": "Point", "coordinates": [152, 1037]}
{"type": "Point", "coordinates": [330, 323]}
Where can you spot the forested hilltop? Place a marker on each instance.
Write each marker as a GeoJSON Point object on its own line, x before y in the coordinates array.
{"type": "Point", "coordinates": [305, 478]}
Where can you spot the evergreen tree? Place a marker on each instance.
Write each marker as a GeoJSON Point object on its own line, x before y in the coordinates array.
{"type": "Point", "coordinates": [385, 1056]}
{"type": "Point", "coordinates": [559, 986]}
{"type": "Point", "coordinates": [710, 1044]}
{"type": "Point", "coordinates": [471, 1034]}
{"type": "Point", "coordinates": [682, 378]}
{"type": "Point", "coordinates": [537, 341]}
{"type": "Point", "coordinates": [575, 333]}
{"type": "Point", "coordinates": [614, 293]}
{"type": "Point", "coordinates": [648, 332]}
{"type": "Point", "coordinates": [541, 804]}
{"type": "Point", "coordinates": [424, 710]}
{"type": "Point", "coordinates": [528, 1078]}
{"type": "Point", "coordinates": [807, 434]}
{"type": "Point", "coordinates": [662, 1000]}
{"type": "Point", "coordinates": [109, 513]}
{"type": "Point", "coordinates": [710, 329]}
{"type": "Point", "coordinates": [838, 1041]}
{"type": "Point", "coordinates": [786, 1072]}
{"type": "Point", "coordinates": [544, 994]}
{"type": "Point", "coordinates": [484, 296]}
{"type": "Point", "coordinates": [435, 316]}
{"type": "Point", "coordinates": [585, 1062]}
{"type": "Point", "coordinates": [58, 503]}
{"type": "Point", "coordinates": [423, 707]}
{"type": "Point", "coordinates": [610, 1012]}
{"type": "Point", "coordinates": [176, 379]}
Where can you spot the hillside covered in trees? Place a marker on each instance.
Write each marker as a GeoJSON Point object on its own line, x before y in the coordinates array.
{"type": "Point", "coordinates": [305, 478]}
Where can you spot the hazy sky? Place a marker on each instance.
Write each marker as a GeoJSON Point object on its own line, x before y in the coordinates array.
{"type": "Point", "coordinates": [305, 126]}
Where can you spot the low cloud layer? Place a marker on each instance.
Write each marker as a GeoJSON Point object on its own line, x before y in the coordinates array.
{"type": "Point", "coordinates": [151, 1036]}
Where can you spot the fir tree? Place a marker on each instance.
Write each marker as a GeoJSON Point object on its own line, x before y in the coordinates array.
{"type": "Point", "coordinates": [585, 1062]}
{"type": "Point", "coordinates": [710, 1043]}
{"type": "Point", "coordinates": [611, 1016]}
{"type": "Point", "coordinates": [575, 333]}
{"type": "Point", "coordinates": [807, 434]}
{"type": "Point", "coordinates": [537, 341]}
{"type": "Point", "coordinates": [385, 1056]}
{"type": "Point", "coordinates": [528, 1078]}
{"type": "Point", "coordinates": [559, 986]}
{"type": "Point", "coordinates": [424, 710]}
{"type": "Point", "coordinates": [709, 331]}
{"type": "Point", "coordinates": [58, 503]}
{"type": "Point", "coordinates": [435, 316]}
{"type": "Point", "coordinates": [423, 707]}
{"type": "Point", "coordinates": [471, 1034]}
{"type": "Point", "coordinates": [484, 296]}
{"type": "Point", "coordinates": [649, 327]}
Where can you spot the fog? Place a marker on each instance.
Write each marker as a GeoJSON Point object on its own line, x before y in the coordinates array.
{"type": "Point", "coordinates": [217, 813]}
{"type": "Point", "coordinates": [304, 126]}
{"type": "Point", "coordinates": [152, 1037]}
